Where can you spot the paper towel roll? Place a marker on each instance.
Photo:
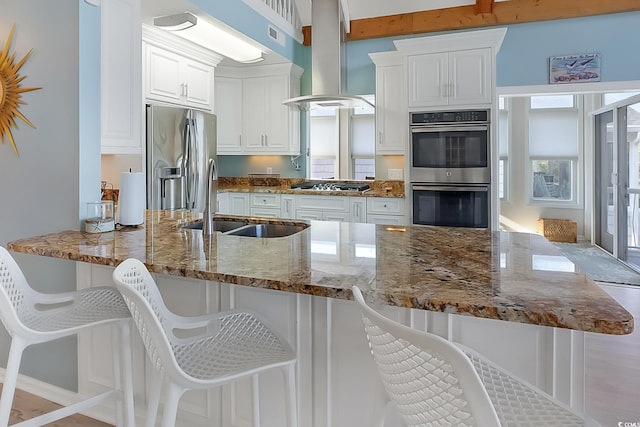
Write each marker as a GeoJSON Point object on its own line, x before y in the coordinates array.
{"type": "Point", "coordinates": [131, 201]}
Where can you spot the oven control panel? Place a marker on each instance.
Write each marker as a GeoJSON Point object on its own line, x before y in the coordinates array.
{"type": "Point", "coordinates": [443, 117]}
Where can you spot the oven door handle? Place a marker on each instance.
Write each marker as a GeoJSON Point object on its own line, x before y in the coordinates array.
{"type": "Point", "coordinates": [483, 188]}
{"type": "Point", "coordinates": [432, 129]}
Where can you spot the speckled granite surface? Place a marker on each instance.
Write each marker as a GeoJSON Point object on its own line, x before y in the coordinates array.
{"type": "Point", "coordinates": [496, 275]}
{"type": "Point", "coordinates": [283, 186]}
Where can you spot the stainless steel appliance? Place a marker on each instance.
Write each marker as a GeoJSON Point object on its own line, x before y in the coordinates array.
{"type": "Point", "coordinates": [451, 146]}
{"type": "Point", "coordinates": [450, 169]}
{"type": "Point", "coordinates": [451, 205]}
{"type": "Point", "coordinates": [180, 142]}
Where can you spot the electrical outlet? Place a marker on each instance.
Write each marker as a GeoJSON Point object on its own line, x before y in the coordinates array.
{"type": "Point", "coordinates": [269, 170]}
{"type": "Point", "coordinates": [394, 173]}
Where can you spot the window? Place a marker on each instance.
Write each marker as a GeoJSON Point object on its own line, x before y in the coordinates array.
{"type": "Point", "coordinates": [338, 154]}
{"type": "Point", "coordinates": [323, 143]}
{"type": "Point", "coordinates": [503, 146]}
{"type": "Point", "coordinates": [363, 137]}
{"type": "Point", "coordinates": [553, 148]}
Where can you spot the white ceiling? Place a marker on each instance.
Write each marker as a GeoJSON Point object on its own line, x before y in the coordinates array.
{"type": "Point", "coordinates": [356, 9]}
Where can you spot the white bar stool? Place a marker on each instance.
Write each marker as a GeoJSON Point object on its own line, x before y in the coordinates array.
{"type": "Point", "coordinates": [234, 344]}
{"type": "Point", "coordinates": [32, 317]}
{"type": "Point", "coordinates": [435, 382]}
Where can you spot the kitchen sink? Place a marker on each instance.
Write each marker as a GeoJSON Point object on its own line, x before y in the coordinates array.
{"type": "Point", "coordinates": [218, 225]}
{"type": "Point", "coordinates": [268, 230]}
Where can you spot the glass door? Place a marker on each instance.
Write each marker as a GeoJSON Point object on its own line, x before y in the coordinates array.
{"type": "Point", "coordinates": [617, 180]}
{"type": "Point", "coordinates": [604, 187]}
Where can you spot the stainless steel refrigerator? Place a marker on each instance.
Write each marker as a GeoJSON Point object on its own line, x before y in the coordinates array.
{"type": "Point", "coordinates": [180, 141]}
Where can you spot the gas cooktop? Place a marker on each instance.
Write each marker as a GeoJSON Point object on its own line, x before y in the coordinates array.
{"type": "Point", "coordinates": [330, 186]}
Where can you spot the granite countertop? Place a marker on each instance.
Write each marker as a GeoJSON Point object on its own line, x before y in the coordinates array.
{"type": "Point", "coordinates": [378, 188]}
{"type": "Point", "coordinates": [495, 275]}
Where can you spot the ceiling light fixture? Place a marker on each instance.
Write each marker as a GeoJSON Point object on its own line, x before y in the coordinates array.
{"type": "Point", "coordinates": [209, 35]}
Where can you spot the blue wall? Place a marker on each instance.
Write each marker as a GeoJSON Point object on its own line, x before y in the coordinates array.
{"type": "Point", "coordinates": [522, 60]}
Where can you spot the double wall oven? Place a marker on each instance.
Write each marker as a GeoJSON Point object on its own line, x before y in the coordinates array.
{"type": "Point", "coordinates": [450, 168]}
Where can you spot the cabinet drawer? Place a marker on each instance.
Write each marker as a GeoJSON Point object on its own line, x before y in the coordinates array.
{"type": "Point", "coordinates": [384, 205]}
{"type": "Point", "coordinates": [325, 203]}
{"type": "Point", "coordinates": [265, 200]}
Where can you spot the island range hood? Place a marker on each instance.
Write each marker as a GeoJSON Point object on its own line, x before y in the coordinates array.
{"type": "Point", "coordinates": [327, 62]}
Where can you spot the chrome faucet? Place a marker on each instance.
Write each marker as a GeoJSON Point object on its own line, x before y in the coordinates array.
{"type": "Point", "coordinates": [207, 221]}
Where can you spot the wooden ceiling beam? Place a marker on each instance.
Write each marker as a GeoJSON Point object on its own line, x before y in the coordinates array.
{"type": "Point", "coordinates": [467, 17]}
{"type": "Point", "coordinates": [484, 6]}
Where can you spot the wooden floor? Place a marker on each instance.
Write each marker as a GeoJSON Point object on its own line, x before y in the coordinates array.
{"type": "Point", "coordinates": [26, 405]}
{"type": "Point", "coordinates": [612, 375]}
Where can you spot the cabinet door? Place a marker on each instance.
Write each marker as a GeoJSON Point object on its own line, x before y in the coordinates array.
{"type": "Point", "coordinates": [288, 206]}
{"type": "Point", "coordinates": [358, 209]}
{"type": "Point", "coordinates": [198, 84]}
{"type": "Point", "coordinates": [228, 109]}
{"type": "Point", "coordinates": [428, 79]}
{"type": "Point", "coordinates": [309, 214]}
{"type": "Point", "coordinates": [253, 114]}
{"type": "Point", "coordinates": [239, 203]}
{"type": "Point", "coordinates": [391, 110]}
{"type": "Point", "coordinates": [277, 114]}
{"type": "Point", "coordinates": [121, 77]}
{"type": "Point", "coordinates": [163, 75]}
{"type": "Point", "coordinates": [470, 76]}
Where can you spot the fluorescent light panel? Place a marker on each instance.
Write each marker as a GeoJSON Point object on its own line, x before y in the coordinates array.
{"type": "Point", "coordinates": [204, 33]}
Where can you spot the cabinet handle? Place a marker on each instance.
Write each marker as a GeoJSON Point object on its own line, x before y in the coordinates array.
{"type": "Point", "coordinates": [186, 90]}
{"type": "Point", "coordinates": [266, 141]}
{"type": "Point", "coordinates": [451, 90]}
{"type": "Point", "coordinates": [240, 140]}
{"type": "Point", "coordinates": [380, 137]}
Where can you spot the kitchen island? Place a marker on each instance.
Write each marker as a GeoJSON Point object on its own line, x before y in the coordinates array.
{"type": "Point", "coordinates": [500, 293]}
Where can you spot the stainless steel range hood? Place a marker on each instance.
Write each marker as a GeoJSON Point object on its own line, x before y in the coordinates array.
{"type": "Point", "coordinates": [327, 62]}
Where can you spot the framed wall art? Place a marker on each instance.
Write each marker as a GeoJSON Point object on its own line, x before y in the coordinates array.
{"type": "Point", "coordinates": [581, 68]}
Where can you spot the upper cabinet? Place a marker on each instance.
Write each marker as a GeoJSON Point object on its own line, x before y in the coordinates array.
{"type": "Point", "coordinates": [121, 78]}
{"type": "Point", "coordinates": [176, 71]}
{"type": "Point", "coordinates": [451, 78]}
{"type": "Point", "coordinates": [175, 79]}
{"type": "Point", "coordinates": [391, 103]}
{"type": "Point", "coordinates": [451, 69]}
{"type": "Point", "coordinates": [250, 101]}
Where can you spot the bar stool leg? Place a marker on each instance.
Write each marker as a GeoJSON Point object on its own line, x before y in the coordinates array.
{"type": "Point", "coordinates": [11, 378]}
{"type": "Point", "coordinates": [153, 402]}
{"type": "Point", "coordinates": [255, 394]}
{"type": "Point", "coordinates": [170, 412]}
{"type": "Point", "coordinates": [290, 384]}
{"type": "Point", "coordinates": [127, 373]}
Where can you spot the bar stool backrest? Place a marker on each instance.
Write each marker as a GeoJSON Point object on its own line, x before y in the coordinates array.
{"type": "Point", "coordinates": [429, 379]}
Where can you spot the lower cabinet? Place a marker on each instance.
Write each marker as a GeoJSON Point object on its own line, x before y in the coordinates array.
{"type": "Point", "coordinates": [385, 210]}
{"type": "Point", "coordinates": [264, 205]}
{"type": "Point", "coordinates": [337, 381]}
{"type": "Point", "coordinates": [375, 210]}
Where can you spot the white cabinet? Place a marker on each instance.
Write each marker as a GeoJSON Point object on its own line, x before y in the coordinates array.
{"type": "Point", "coordinates": [228, 109]}
{"type": "Point", "coordinates": [450, 78]}
{"type": "Point", "coordinates": [239, 203]}
{"type": "Point", "coordinates": [288, 206]}
{"type": "Point", "coordinates": [327, 208]}
{"type": "Point", "coordinates": [178, 80]}
{"type": "Point", "coordinates": [267, 119]}
{"type": "Point", "coordinates": [391, 110]}
{"type": "Point", "coordinates": [254, 96]}
{"type": "Point", "coordinates": [265, 205]}
{"type": "Point", "coordinates": [358, 207]}
{"type": "Point", "coordinates": [385, 210]}
{"type": "Point", "coordinates": [121, 77]}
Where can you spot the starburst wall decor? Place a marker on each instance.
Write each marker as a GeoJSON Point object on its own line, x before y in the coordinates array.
{"type": "Point", "coordinates": [11, 92]}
